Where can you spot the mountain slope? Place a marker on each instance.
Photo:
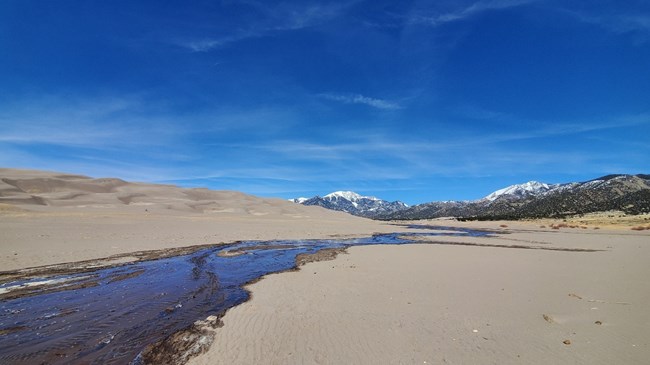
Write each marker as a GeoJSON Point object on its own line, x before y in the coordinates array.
{"type": "Point", "coordinates": [627, 193]}
{"type": "Point", "coordinates": [353, 203]}
{"type": "Point", "coordinates": [520, 191]}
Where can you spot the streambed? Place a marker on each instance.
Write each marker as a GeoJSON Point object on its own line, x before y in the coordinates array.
{"type": "Point", "coordinates": [109, 315]}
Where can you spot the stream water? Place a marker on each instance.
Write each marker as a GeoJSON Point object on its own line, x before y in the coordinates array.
{"type": "Point", "coordinates": [109, 315]}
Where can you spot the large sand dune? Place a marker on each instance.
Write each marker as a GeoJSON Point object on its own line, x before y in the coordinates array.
{"type": "Point", "coordinates": [50, 218]}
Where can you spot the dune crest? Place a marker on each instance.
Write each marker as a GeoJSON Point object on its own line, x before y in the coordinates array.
{"type": "Point", "coordinates": [53, 217]}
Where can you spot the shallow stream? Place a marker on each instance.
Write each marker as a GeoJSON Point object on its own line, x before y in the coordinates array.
{"type": "Point", "coordinates": [108, 316]}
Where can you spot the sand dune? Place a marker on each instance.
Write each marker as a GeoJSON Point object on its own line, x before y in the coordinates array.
{"type": "Point", "coordinates": [536, 293]}
{"type": "Point", "coordinates": [49, 218]}
{"type": "Point", "coordinates": [37, 188]}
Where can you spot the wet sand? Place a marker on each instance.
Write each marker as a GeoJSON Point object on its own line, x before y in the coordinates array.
{"type": "Point", "coordinates": [454, 303]}
{"type": "Point", "coordinates": [36, 239]}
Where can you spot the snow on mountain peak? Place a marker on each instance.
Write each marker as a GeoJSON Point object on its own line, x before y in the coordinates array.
{"type": "Point", "coordinates": [353, 203]}
{"type": "Point", "coordinates": [348, 195]}
{"type": "Point", "coordinates": [529, 188]}
{"type": "Point", "coordinates": [299, 200]}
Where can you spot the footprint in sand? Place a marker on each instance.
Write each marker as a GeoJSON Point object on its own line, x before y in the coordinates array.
{"type": "Point", "coordinates": [548, 318]}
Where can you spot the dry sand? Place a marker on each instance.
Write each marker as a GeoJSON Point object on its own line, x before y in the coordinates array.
{"type": "Point", "coordinates": [51, 218]}
{"type": "Point", "coordinates": [436, 304]}
{"type": "Point", "coordinates": [508, 299]}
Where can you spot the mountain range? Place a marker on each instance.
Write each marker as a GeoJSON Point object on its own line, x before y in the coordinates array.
{"type": "Point", "coordinates": [627, 193]}
{"type": "Point", "coordinates": [353, 203]}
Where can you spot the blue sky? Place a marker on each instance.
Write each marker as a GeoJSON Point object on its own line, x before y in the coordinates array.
{"type": "Point", "coordinates": [409, 100]}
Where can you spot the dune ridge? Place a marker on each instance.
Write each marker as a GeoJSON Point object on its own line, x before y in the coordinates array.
{"type": "Point", "coordinates": [51, 218]}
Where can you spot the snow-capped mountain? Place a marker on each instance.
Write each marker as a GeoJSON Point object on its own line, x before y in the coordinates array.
{"type": "Point", "coordinates": [353, 203]}
{"type": "Point", "coordinates": [627, 193]}
{"type": "Point", "coordinates": [347, 195]}
{"type": "Point", "coordinates": [519, 191]}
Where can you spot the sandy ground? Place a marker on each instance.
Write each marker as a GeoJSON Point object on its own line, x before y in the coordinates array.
{"type": "Point", "coordinates": [437, 304]}
{"type": "Point", "coordinates": [532, 294]}
{"type": "Point", "coordinates": [35, 239]}
{"type": "Point", "coordinates": [51, 218]}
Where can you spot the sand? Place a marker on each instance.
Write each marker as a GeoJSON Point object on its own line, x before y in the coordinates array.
{"type": "Point", "coordinates": [436, 304]}
{"type": "Point", "coordinates": [532, 294]}
{"type": "Point", "coordinates": [49, 218]}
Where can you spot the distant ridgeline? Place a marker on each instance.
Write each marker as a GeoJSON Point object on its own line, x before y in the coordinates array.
{"type": "Point", "coordinates": [353, 203]}
{"type": "Point", "coordinates": [627, 193]}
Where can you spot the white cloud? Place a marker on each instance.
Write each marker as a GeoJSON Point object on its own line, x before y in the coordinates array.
{"type": "Point", "coordinates": [476, 112]}
{"type": "Point", "coordinates": [634, 22]}
{"type": "Point", "coordinates": [361, 99]}
{"type": "Point", "coordinates": [102, 122]}
{"type": "Point", "coordinates": [129, 121]}
{"type": "Point", "coordinates": [204, 45]}
{"type": "Point", "coordinates": [382, 156]}
{"type": "Point", "coordinates": [466, 12]}
{"type": "Point", "coordinates": [275, 19]}
{"type": "Point", "coordinates": [619, 24]}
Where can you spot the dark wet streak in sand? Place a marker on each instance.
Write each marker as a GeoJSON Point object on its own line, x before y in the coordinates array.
{"type": "Point", "coordinates": [108, 316]}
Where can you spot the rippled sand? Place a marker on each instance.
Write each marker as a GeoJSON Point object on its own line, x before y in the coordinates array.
{"type": "Point", "coordinates": [460, 304]}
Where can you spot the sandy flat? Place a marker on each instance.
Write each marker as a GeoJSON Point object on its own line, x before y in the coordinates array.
{"type": "Point", "coordinates": [437, 304]}
{"type": "Point", "coordinates": [534, 293]}
{"type": "Point", "coordinates": [52, 218]}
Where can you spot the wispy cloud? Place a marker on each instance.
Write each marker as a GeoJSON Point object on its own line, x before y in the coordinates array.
{"type": "Point", "coordinates": [361, 99]}
{"type": "Point", "coordinates": [85, 163]}
{"type": "Point", "coordinates": [83, 122]}
{"type": "Point", "coordinates": [129, 121]}
{"type": "Point", "coordinates": [206, 44]}
{"type": "Point", "coordinates": [466, 12]}
{"type": "Point", "coordinates": [479, 113]}
{"type": "Point", "coordinates": [109, 137]}
{"type": "Point", "coordinates": [363, 143]}
{"type": "Point", "coordinates": [375, 157]}
{"type": "Point", "coordinates": [638, 24]}
{"type": "Point", "coordinates": [276, 19]}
